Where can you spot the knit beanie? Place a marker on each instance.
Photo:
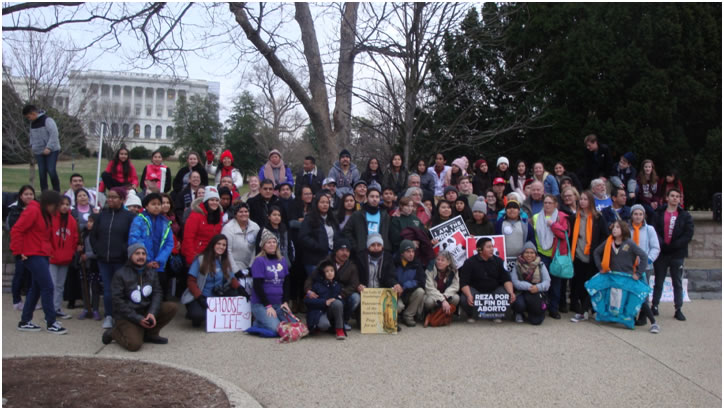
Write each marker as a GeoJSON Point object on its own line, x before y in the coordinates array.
{"type": "Point", "coordinates": [275, 151]}
{"type": "Point", "coordinates": [638, 207]}
{"type": "Point", "coordinates": [345, 153]}
{"type": "Point", "coordinates": [266, 235]}
{"type": "Point", "coordinates": [460, 163]}
{"type": "Point", "coordinates": [502, 160]}
{"type": "Point", "coordinates": [406, 244]}
{"type": "Point", "coordinates": [630, 157]}
{"type": "Point", "coordinates": [480, 162]}
{"type": "Point", "coordinates": [225, 154]}
{"type": "Point", "coordinates": [211, 192]}
{"type": "Point", "coordinates": [529, 245]}
{"type": "Point", "coordinates": [132, 199]}
{"type": "Point", "coordinates": [374, 238]}
{"type": "Point", "coordinates": [340, 243]}
{"type": "Point", "coordinates": [134, 247]}
{"type": "Point", "coordinates": [480, 205]}
{"type": "Point", "coordinates": [374, 186]}
{"type": "Point", "coordinates": [450, 188]}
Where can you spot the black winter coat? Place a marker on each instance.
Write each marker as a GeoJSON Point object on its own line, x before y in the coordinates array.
{"type": "Point", "coordinates": [356, 231]}
{"type": "Point", "coordinates": [125, 281]}
{"type": "Point", "coordinates": [388, 278]}
{"type": "Point", "coordinates": [314, 242]}
{"type": "Point", "coordinates": [680, 238]}
{"type": "Point", "coordinates": [178, 182]}
{"type": "Point", "coordinates": [109, 237]}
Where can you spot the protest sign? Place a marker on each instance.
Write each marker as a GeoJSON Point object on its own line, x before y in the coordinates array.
{"type": "Point", "coordinates": [498, 244]}
{"type": "Point", "coordinates": [667, 293]}
{"type": "Point", "coordinates": [228, 314]}
{"type": "Point", "coordinates": [448, 228]}
{"type": "Point", "coordinates": [492, 305]}
{"type": "Point", "coordinates": [455, 244]}
{"type": "Point", "coordinates": [378, 311]}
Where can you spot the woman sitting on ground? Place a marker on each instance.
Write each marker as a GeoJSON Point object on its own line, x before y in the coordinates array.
{"type": "Point", "coordinates": [442, 286]}
{"type": "Point", "coordinates": [530, 280]}
{"type": "Point", "coordinates": [272, 287]}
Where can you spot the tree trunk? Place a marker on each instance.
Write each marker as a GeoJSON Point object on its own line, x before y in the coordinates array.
{"type": "Point", "coordinates": [412, 83]}
{"type": "Point", "coordinates": [345, 75]}
{"type": "Point", "coordinates": [31, 171]}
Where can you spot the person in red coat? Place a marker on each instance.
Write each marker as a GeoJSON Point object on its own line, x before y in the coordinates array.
{"type": "Point", "coordinates": [119, 172]}
{"type": "Point", "coordinates": [64, 241]}
{"type": "Point", "coordinates": [30, 238]}
{"type": "Point", "coordinates": [204, 222]}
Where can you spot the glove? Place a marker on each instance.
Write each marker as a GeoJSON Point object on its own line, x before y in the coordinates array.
{"type": "Point", "coordinates": [209, 156]}
{"type": "Point", "coordinates": [202, 301]}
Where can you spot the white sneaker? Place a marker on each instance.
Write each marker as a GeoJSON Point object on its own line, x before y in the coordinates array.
{"type": "Point", "coordinates": [654, 328]}
{"type": "Point", "coordinates": [57, 328]}
{"type": "Point", "coordinates": [519, 318]}
{"type": "Point", "coordinates": [63, 315]}
{"type": "Point", "coordinates": [19, 306]}
{"type": "Point", "coordinates": [579, 317]}
{"type": "Point", "coordinates": [471, 320]}
{"type": "Point", "coordinates": [108, 322]}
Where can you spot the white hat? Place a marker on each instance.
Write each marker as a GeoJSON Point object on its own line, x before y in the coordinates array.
{"type": "Point", "coordinates": [132, 199]}
{"type": "Point", "coordinates": [211, 192]}
{"type": "Point", "coordinates": [502, 160]}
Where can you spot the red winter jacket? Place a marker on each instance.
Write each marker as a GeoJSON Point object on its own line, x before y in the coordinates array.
{"type": "Point", "coordinates": [64, 240]}
{"type": "Point", "coordinates": [197, 232]}
{"type": "Point", "coordinates": [117, 174]}
{"type": "Point", "coordinates": [30, 236]}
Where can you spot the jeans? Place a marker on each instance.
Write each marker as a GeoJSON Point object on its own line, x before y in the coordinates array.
{"type": "Point", "coordinates": [41, 288]}
{"type": "Point", "coordinates": [335, 312]}
{"type": "Point", "coordinates": [196, 312]}
{"type": "Point", "coordinates": [351, 303]}
{"type": "Point", "coordinates": [309, 269]}
{"type": "Point", "coordinates": [46, 166]}
{"type": "Point", "coordinates": [675, 267]}
{"type": "Point", "coordinates": [58, 274]}
{"type": "Point", "coordinates": [262, 320]}
{"type": "Point", "coordinates": [554, 292]}
{"type": "Point", "coordinates": [21, 278]}
{"type": "Point", "coordinates": [107, 270]}
{"type": "Point", "coordinates": [532, 304]}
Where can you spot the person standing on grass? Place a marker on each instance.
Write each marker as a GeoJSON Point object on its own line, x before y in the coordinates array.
{"type": "Point", "coordinates": [31, 240]}
{"type": "Point", "coordinates": [140, 315]}
{"type": "Point", "coordinates": [108, 239]}
{"type": "Point", "coordinates": [45, 145]}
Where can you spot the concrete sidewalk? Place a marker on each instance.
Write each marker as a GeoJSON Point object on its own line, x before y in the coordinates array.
{"type": "Point", "coordinates": [557, 364]}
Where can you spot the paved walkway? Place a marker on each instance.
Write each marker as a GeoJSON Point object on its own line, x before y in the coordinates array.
{"type": "Point", "coordinates": [558, 364]}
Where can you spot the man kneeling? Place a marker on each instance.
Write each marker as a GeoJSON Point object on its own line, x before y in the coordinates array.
{"type": "Point", "coordinates": [137, 309]}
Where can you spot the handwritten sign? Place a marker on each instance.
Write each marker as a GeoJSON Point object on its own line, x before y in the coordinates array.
{"type": "Point", "coordinates": [667, 293]}
{"type": "Point", "coordinates": [228, 314]}
{"type": "Point", "coordinates": [379, 311]}
{"type": "Point", "coordinates": [448, 228]}
{"type": "Point", "coordinates": [492, 305]}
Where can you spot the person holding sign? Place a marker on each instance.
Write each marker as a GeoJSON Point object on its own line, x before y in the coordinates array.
{"type": "Point", "coordinates": [442, 285]}
{"type": "Point", "coordinates": [530, 277]}
{"type": "Point", "coordinates": [551, 231]}
{"type": "Point", "coordinates": [483, 273]}
{"type": "Point", "coordinates": [209, 275]}
{"type": "Point", "coordinates": [411, 276]}
{"type": "Point", "coordinates": [137, 308]}
{"type": "Point", "coordinates": [272, 287]}
{"type": "Point", "coordinates": [376, 267]}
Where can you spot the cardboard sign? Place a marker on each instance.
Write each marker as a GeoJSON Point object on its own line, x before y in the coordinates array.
{"type": "Point", "coordinates": [448, 228]}
{"type": "Point", "coordinates": [228, 314]}
{"type": "Point", "coordinates": [498, 244]}
{"type": "Point", "coordinates": [455, 244]}
{"type": "Point", "coordinates": [492, 305]}
{"type": "Point", "coordinates": [379, 311]}
{"type": "Point", "coordinates": [667, 293]}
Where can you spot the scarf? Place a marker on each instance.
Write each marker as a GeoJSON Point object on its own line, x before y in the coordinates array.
{"type": "Point", "coordinates": [577, 230]}
{"type": "Point", "coordinates": [529, 272]}
{"type": "Point", "coordinates": [543, 231]}
{"type": "Point", "coordinates": [606, 261]}
{"type": "Point", "coordinates": [269, 172]}
{"type": "Point", "coordinates": [636, 233]}
{"type": "Point", "coordinates": [226, 171]}
{"type": "Point", "coordinates": [370, 209]}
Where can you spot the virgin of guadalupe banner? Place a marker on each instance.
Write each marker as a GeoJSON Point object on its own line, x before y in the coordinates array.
{"type": "Point", "coordinates": [378, 311]}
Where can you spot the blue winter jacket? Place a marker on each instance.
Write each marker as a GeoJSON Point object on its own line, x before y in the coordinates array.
{"type": "Point", "coordinates": [550, 185]}
{"type": "Point", "coordinates": [318, 306]}
{"type": "Point", "coordinates": [155, 234]}
{"type": "Point", "coordinates": [617, 297]}
{"type": "Point", "coordinates": [412, 275]}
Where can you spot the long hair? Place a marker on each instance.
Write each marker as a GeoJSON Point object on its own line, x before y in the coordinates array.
{"type": "Point", "coordinates": [212, 217]}
{"type": "Point", "coordinates": [341, 212]}
{"type": "Point", "coordinates": [625, 229]}
{"type": "Point", "coordinates": [21, 191]}
{"type": "Point", "coordinates": [208, 266]}
{"type": "Point", "coordinates": [466, 213]}
{"type": "Point", "coordinates": [367, 174]}
{"type": "Point", "coordinates": [315, 218]}
{"type": "Point", "coordinates": [591, 204]}
{"type": "Point", "coordinates": [436, 217]}
{"type": "Point", "coordinates": [126, 166]}
{"type": "Point", "coordinates": [170, 201]}
{"type": "Point", "coordinates": [47, 198]}
{"type": "Point", "coordinates": [282, 227]}
{"type": "Point", "coordinates": [402, 162]}
{"type": "Point", "coordinates": [654, 179]}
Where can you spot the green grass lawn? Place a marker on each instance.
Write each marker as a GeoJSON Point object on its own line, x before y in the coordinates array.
{"type": "Point", "coordinates": [15, 176]}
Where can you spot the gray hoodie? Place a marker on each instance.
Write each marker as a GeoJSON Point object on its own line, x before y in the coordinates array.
{"type": "Point", "coordinates": [44, 134]}
{"type": "Point", "coordinates": [344, 182]}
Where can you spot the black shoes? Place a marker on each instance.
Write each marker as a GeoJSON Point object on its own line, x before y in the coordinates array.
{"type": "Point", "coordinates": [107, 338]}
{"type": "Point", "coordinates": [158, 340]}
{"type": "Point", "coordinates": [554, 315]}
{"type": "Point", "coordinates": [655, 310]}
{"type": "Point", "coordinates": [679, 316]}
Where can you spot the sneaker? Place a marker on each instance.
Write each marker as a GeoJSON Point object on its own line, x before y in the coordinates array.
{"type": "Point", "coordinates": [554, 315]}
{"type": "Point", "coordinates": [108, 322]}
{"type": "Point", "coordinates": [578, 317]}
{"type": "Point", "coordinates": [63, 315]}
{"type": "Point", "coordinates": [19, 306]}
{"type": "Point", "coordinates": [409, 322]}
{"type": "Point", "coordinates": [57, 329]}
{"type": "Point", "coordinates": [471, 320]}
{"type": "Point", "coordinates": [679, 316]}
{"type": "Point", "coordinates": [107, 337]}
{"type": "Point", "coordinates": [97, 315]}
{"type": "Point", "coordinates": [519, 318]}
{"type": "Point", "coordinates": [654, 328]}
{"type": "Point", "coordinates": [83, 314]}
{"type": "Point", "coordinates": [28, 327]}
{"type": "Point", "coordinates": [341, 335]}
{"type": "Point", "coordinates": [157, 340]}
{"type": "Point", "coordinates": [347, 327]}
{"type": "Point", "coordinates": [38, 306]}
{"type": "Point", "coordinates": [655, 310]}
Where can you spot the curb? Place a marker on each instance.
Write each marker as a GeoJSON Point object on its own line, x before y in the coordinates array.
{"type": "Point", "coordinates": [237, 397]}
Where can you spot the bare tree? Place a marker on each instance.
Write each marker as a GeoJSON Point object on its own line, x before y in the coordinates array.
{"type": "Point", "coordinates": [116, 123]}
{"type": "Point", "coordinates": [36, 69]}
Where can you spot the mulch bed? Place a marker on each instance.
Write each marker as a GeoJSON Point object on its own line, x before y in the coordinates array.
{"type": "Point", "coordinates": [95, 382]}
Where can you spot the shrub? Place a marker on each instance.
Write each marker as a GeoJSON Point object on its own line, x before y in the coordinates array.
{"type": "Point", "coordinates": [140, 152]}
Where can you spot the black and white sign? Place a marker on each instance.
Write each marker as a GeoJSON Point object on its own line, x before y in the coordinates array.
{"type": "Point", "coordinates": [492, 305]}
{"type": "Point", "coordinates": [448, 228]}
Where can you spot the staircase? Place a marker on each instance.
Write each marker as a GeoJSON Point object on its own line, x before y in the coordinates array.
{"type": "Point", "coordinates": [704, 265]}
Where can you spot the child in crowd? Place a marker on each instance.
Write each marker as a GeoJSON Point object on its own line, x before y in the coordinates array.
{"type": "Point", "coordinates": [89, 275]}
{"type": "Point", "coordinates": [327, 307]}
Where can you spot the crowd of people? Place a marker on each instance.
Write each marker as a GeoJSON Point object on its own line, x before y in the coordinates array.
{"type": "Point", "coordinates": [312, 244]}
